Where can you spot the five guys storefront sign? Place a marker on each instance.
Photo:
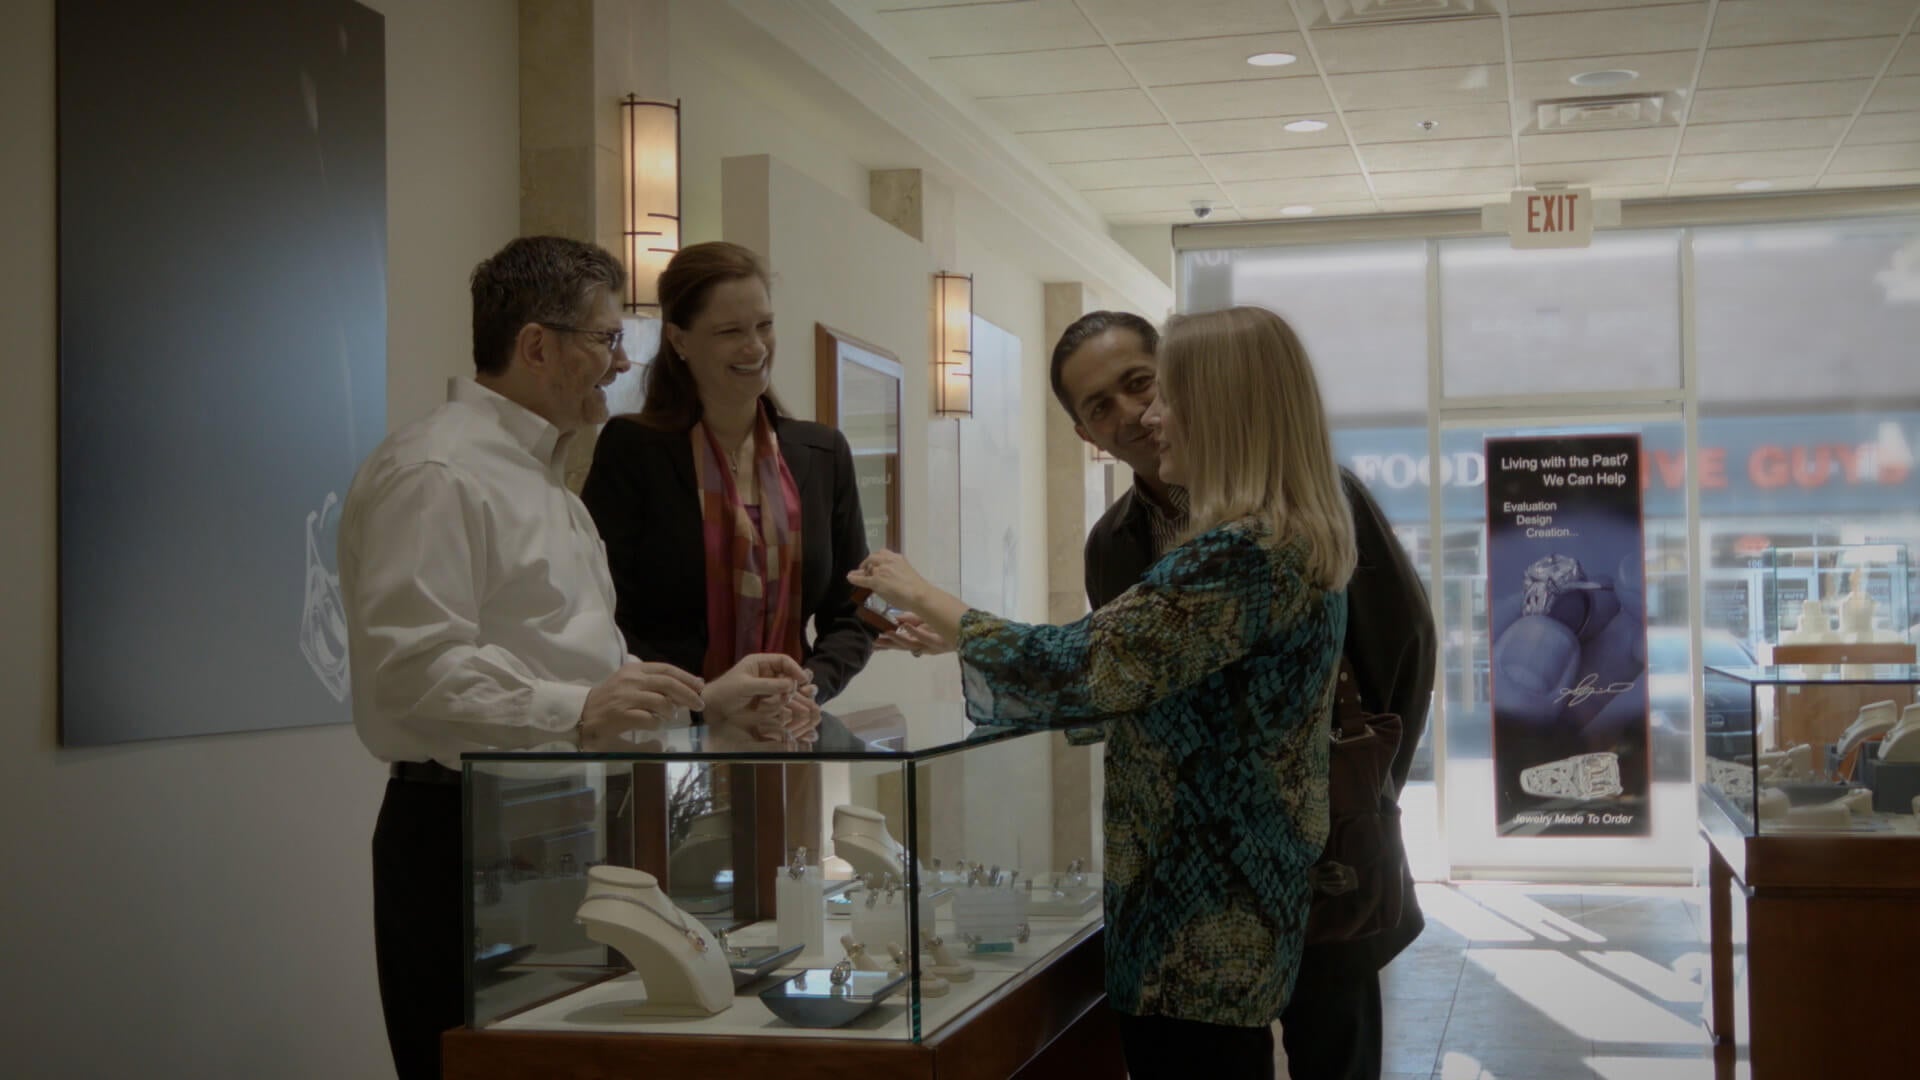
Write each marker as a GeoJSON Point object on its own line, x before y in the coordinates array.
{"type": "Point", "coordinates": [1786, 465]}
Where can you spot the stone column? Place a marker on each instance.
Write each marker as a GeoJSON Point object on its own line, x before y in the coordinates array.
{"type": "Point", "coordinates": [578, 60]}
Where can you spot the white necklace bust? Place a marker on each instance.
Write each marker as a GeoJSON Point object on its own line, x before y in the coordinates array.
{"type": "Point", "coordinates": [860, 837]}
{"type": "Point", "coordinates": [685, 973]}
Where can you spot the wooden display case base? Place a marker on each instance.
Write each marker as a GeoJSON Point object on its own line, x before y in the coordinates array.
{"type": "Point", "coordinates": [1052, 1021]}
{"type": "Point", "coordinates": [1814, 945]}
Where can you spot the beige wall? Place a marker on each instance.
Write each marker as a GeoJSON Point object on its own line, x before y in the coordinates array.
{"type": "Point", "coordinates": [202, 907]}
{"type": "Point", "coordinates": [1153, 246]}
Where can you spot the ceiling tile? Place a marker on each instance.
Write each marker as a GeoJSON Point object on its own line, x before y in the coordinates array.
{"type": "Point", "coordinates": [1629, 191]}
{"type": "Point", "coordinates": [1432, 86]}
{"type": "Point", "coordinates": [1440, 154]}
{"type": "Point", "coordinates": [1597, 33]}
{"type": "Point", "coordinates": [1818, 131]}
{"type": "Point", "coordinates": [1597, 145]}
{"type": "Point", "coordinates": [1172, 217]}
{"type": "Point", "coordinates": [1126, 21]}
{"type": "Point", "coordinates": [1820, 61]}
{"type": "Point", "coordinates": [1106, 144]}
{"type": "Point", "coordinates": [1453, 122]}
{"type": "Point", "coordinates": [1267, 133]}
{"type": "Point", "coordinates": [1135, 172]}
{"type": "Point", "coordinates": [1054, 71]}
{"type": "Point", "coordinates": [1321, 209]}
{"type": "Point", "coordinates": [1548, 7]}
{"type": "Point", "coordinates": [1205, 60]}
{"type": "Point", "coordinates": [1408, 185]}
{"type": "Point", "coordinates": [971, 29]}
{"type": "Point", "coordinates": [1896, 95]}
{"type": "Point", "coordinates": [1142, 200]}
{"type": "Point", "coordinates": [1553, 78]}
{"type": "Point", "coordinates": [1884, 128]}
{"type": "Point", "coordinates": [1598, 173]}
{"type": "Point", "coordinates": [1283, 164]}
{"type": "Point", "coordinates": [1067, 112]}
{"type": "Point", "coordinates": [1241, 100]}
{"type": "Point", "coordinates": [1770, 22]}
{"type": "Point", "coordinates": [1907, 60]}
{"type": "Point", "coordinates": [1760, 165]}
{"type": "Point", "coordinates": [872, 6]}
{"type": "Point", "coordinates": [1860, 180]}
{"type": "Point", "coordinates": [1291, 192]}
{"type": "Point", "coordinates": [1400, 48]}
{"type": "Point", "coordinates": [1778, 102]}
{"type": "Point", "coordinates": [1890, 157]}
{"type": "Point", "coordinates": [1430, 204]}
{"type": "Point", "coordinates": [1725, 187]}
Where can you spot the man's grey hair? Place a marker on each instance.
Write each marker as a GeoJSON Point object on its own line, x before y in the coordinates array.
{"type": "Point", "coordinates": [535, 279]}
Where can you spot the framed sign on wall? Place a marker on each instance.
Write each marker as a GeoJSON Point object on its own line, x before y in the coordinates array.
{"type": "Point", "coordinates": [858, 390]}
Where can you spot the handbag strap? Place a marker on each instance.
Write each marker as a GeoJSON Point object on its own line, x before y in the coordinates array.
{"type": "Point", "coordinates": [1349, 718]}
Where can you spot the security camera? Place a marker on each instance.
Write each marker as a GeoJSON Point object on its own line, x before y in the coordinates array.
{"type": "Point", "coordinates": [1202, 209]}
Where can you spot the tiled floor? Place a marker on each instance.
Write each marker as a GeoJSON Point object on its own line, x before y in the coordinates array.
{"type": "Point", "coordinates": [1518, 982]}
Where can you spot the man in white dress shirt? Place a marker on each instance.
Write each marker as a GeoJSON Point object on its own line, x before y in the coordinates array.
{"type": "Point", "coordinates": [480, 608]}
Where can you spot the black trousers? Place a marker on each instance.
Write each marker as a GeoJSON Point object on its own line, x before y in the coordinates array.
{"type": "Point", "coordinates": [1160, 1048]}
{"type": "Point", "coordinates": [1331, 1027]}
{"type": "Point", "coordinates": [416, 922]}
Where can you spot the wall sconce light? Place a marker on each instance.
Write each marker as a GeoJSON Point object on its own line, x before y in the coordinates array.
{"type": "Point", "coordinates": [651, 221]}
{"type": "Point", "coordinates": [953, 360]}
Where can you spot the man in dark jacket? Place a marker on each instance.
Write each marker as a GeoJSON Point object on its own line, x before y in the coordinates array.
{"type": "Point", "coordinates": [1103, 372]}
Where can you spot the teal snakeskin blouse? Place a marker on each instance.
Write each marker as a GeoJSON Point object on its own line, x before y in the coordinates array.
{"type": "Point", "coordinates": [1213, 678]}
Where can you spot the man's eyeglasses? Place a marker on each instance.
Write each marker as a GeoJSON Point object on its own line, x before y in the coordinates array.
{"type": "Point", "coordinates": [609, 338]}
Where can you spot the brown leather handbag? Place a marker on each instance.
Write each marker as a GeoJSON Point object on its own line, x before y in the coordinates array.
{"type": "Point", "coordinates": [1359, 882]}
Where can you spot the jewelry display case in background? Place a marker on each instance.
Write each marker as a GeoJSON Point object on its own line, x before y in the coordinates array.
{"type": "Point", "coordinates": [1837, 745]}
{"type": "Point", "coordinates": [901, 895]}
{"type": "Point", "coordinates": [1813, 866]}
{"type": "Point", "coordinates": [1837, 594]}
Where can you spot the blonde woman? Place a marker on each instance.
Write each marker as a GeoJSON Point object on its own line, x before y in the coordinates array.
{"type": "Point", "coordinates": [1214, 680]}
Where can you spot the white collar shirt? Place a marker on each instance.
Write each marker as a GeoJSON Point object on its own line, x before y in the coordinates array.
{"type": "Point", "coordinates": [479, 605]}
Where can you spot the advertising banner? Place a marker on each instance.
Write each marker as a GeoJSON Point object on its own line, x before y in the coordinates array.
{"type": "Point", "coordinates": [1568, 624]}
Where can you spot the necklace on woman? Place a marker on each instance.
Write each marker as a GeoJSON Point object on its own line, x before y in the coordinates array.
{"type": "Point", "coordinates": [693, 937]}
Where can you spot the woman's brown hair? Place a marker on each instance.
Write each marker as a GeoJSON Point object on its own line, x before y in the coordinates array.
{"type": "Point", "coordinates": [673, 400]}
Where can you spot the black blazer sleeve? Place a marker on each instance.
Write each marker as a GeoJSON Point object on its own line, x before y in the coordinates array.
{"type": "Point", "coordinates": [650, 523]}
{"type": "Point", "coordinates": [842, 643]}
{"type": "Point", "coordinates": [1390, 633]}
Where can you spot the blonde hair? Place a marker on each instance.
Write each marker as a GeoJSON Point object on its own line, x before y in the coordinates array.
{"type": "Point", "coordinates": [1254, 434]}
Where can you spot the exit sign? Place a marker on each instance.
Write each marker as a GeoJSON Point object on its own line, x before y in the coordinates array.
{"type": "Point", "coordinates": [1551, 219]}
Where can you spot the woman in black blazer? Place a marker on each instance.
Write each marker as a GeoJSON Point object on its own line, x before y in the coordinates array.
{"type": "Point", "coordinates": [700, 495]}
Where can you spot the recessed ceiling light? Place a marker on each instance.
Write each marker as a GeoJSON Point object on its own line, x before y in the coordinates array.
{"type": "Point", "coordinates": [1302, 127]}
{"type": "Point", "coordinates": [1295, 211]}
{"type": "Point", "coordinates": [1271, 59]}
{"type": "Point", "coordinates": [1753, 185]}
{"type": "Point", "coordinates": [1609, 77]}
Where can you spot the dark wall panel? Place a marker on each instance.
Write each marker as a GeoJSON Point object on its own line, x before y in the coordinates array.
{"type": "Point", "coordinates": [223, 335]}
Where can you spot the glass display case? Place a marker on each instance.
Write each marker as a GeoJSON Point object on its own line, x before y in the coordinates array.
{"type": "Point", "coordinates": [875, 885]}
{"type": "Point", "coordinates": [1835, 750]}
{"type": "Point", "coordinates": [1837, 594]}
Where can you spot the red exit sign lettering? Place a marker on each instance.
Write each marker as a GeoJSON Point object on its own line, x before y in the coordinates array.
{"type": "Point", "coordinates": [1551, 219]}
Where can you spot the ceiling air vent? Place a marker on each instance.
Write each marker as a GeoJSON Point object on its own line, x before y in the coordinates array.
{"type": "Point", "coordinates": [1595, 113]}
{"type": "Point", "coordinates": [1372, 12]}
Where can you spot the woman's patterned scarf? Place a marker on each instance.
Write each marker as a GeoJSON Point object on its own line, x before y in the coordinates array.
{"type": "Point", "coordinates": [753, 571]}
